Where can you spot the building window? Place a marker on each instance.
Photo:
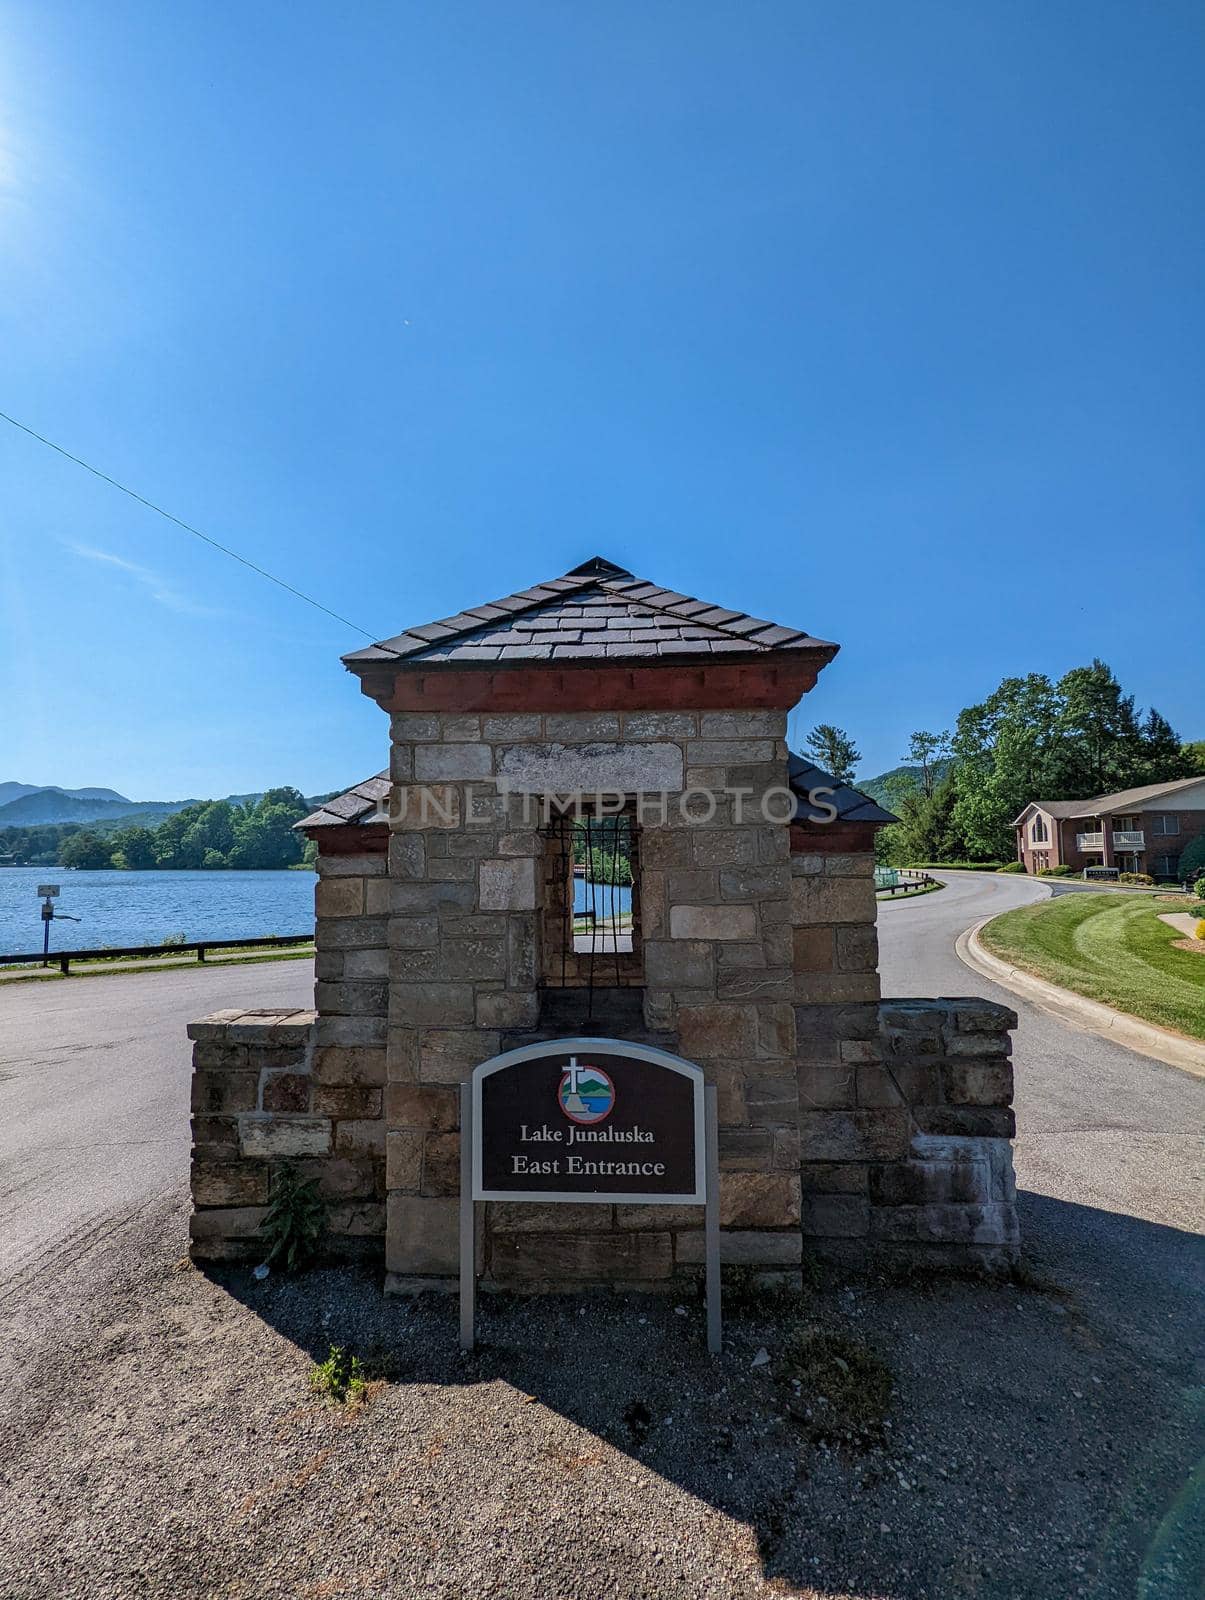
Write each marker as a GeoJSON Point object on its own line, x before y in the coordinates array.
{"type": "Point", "coordinates": [1166, 866]}
{"type": "Point", "coordinates": [1038, 832]}
{"type": "Point", "coordinates": [590, 904]}
{"type": "Point", "coordinates": [1164, 823]}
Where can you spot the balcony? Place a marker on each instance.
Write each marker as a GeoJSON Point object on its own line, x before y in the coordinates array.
{"type": "Point", "coordinates": [1089, 841]}
{"type": "Point", "coordinates": [1135, 839]}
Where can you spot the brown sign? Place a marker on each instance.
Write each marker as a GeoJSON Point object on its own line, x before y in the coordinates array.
{"type": "Point", "coordinates": [588, 1120]}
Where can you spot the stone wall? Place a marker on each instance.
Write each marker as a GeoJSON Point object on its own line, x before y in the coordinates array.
{"type": "Point", "coordinates": [931, 1176]}
{"type": "Point", "coordinates": [465, 868]}
{"type": "Point", "coordinates": [263, 1092]}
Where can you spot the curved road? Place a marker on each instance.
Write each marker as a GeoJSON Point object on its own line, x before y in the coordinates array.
{"type": "Point", "coordinates": [1110, 1151]}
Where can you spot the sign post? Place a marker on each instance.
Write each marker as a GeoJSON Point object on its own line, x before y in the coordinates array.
{"type": "Point", "coordinates": [593, 1121]}
{"type": "Point", "coordinates": [49, 893]}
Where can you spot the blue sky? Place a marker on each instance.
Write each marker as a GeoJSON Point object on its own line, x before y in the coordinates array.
{"type": "Point", "coordinates": [881, 320]}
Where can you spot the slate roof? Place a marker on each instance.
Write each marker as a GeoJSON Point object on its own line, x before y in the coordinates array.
{"type": "Point", "coordinates": [367, 802]}
{"type": "Point", "coordinates": [852, 805]}
{"type": "Point", "coordinates": [597, 612]}
{"type": "Point", "coordinates": [1123, 800]}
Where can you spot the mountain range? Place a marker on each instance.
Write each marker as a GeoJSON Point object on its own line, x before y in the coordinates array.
{"type": "Point", "coordinates": [30, 805]}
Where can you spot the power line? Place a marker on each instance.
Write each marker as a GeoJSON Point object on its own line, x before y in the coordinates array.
{"type": "Point", "coordinates": [187, 526]}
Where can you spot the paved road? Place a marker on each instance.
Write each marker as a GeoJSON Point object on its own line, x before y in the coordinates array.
{"type": "Point", "coordinates": [1110, 1151]}
{"type": "Point", "coordinates": [94, 1077]}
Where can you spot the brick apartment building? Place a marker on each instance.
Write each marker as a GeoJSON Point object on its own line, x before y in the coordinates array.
{"type": "Point", "coordinates": [1136, 830]}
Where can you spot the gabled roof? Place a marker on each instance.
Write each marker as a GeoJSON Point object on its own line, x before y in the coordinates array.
{"type": "Point", "coordinates": [367, 802]}
{"type": "Point", "coordinates": [1123, 800]}
{"type": "Point", "coordinates": [597, 612]}
{"type": "Point", "coordinates": [851, 804]}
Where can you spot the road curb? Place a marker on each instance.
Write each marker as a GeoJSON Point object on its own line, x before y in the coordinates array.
{"type": "Point", "coordinates": [1087, 1015]}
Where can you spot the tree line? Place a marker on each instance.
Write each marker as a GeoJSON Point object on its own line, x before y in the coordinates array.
{"type": "Point", "coordinates": [1031, 739]}
{"type": "Point", "coordinates": [208, 835]}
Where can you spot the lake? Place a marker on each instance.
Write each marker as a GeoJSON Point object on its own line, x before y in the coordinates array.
{"type": "Point", "coordinates": [122, 908]}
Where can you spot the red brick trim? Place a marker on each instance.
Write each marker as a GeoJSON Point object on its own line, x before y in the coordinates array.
{"type": "Point", "coordinates": [837, 839]}
{"type": "Point", "coordinates": [749, 685]}
{"type": "Point", "coordinates": [353, 839]}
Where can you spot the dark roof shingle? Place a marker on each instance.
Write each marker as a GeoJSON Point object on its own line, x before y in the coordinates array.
{"type": "Point", "coordinates": [366, 802]}
{"type": "Point", "coordinates": [596, 612]}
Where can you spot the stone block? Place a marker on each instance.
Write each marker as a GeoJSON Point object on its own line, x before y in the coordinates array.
{"type": "Point", "coordinates": [724, 847]}
{"type": "Point", "coordinates": [507, 883]}
{"type": "Point", "coordinates": [987, 1122]}
{"type": "Point", "coordinates": [640, 1219]}
{"type": "Point", "coordinates": [359, 1218]}
{"type": "Point", "coordinates": [401, 763]}
{"type": "Point", "coordinates": [591, 1257]}
{"type": "Point", "coordinates": [365, 965]}
{"type": "Point", "coordinates": [743, 725]}
{"type": "Point", "coordinates": [755, 986]}
{"type": "Point", "coordinates": [441, 1163]}
{"type": "Point", "coordinates": [972, 1015]}
{"type": "Point", "coordinates": [472, 958]}
{"type": "Point", "coordinates": [986, 1046]}
{"type": "Point", "coordinates": [430, 899]}
{"type": "Point", "coordinates": [660, 724]}
{"type": "Point", "coordinates": [833, 987]}
{"type": "Point", "coordinates": [215, 1138]}
{"type": "Point", "coordinates": [216, 1092]}
{"type": "Point", "coordinates": [580, 727]}
{"type": "Point", "coordinates": [835, 1177]}
{"type": "Point", "coordinates": [356, 1138]}
{"type": "Point", "coordinates": [448, 763]}
{"type": "Point", "coordinates": [403, 1160]}
{"type": "Point", "coordinates": [415, 966]}
{"type": "Point", "coordinates": [456, 868]}
{"type": "Point", "coordinates": [407, 726]}
{"type": "Point", "coordinates": [339, 897]}
{"type": "Point", "coordinates": [358, 866]}
{"type": "Point", "coordinates": [431, 1108]}
{"type": "Point", "coordinates": [740, 1248]}
{"type": "Point", "coordinates": [346, 1100]}
{"type": "Point", "coordinates": [598, 766]}
{"type": "Point", "coordinates": [994, 1224]}
{"type": "Point", "coordinates": [755, 883]}
{"type": "Point", "coordinates": [351, 1031]}
{"type": "Point", "coordinates": [340, 1178]}
{"type": "Point", "coordinates": [679, 964]}
{"type": "Point", "coordinates": [836, 1216]}
{"type": "Point", "coordinates": [857, 948]}
{"type": "Point", "coordinates": [771, 1101]}
{"type": "Point", "coordinates": [408, 856]}
{"type": "Point", "coordinates": [431, 1005]}
{"type": "Point", "coordinates": [460, 728]}
{"type": "Point", "coordinates": [775, 1028]}
{"type": "Point", "coordinates": [730, 752]}
{"type": "Point", "coordinates": [285, 1091]}
{"type": "Point", "coordinates": [861, 1134]}
{"type": "Point", "coordinates": [353, 999]}
{"type": "Point", "coordinates": [507, 1009]}
{"type": "Point", "coordinates": [877, 1087]}
{"type": "Point", "coordinates": [711, 922]}
{"type": "Point", "coordinates": [353, 933]}
{"type": "Point", "coordinates": [813, 949]}
{"type": "Point", "coordinates": [448, 1055]}
{"type": "Point", "coordinates": [421, 1235]}
{"type": "Point", "coordinates": [425, 805]}
{"type": "Point", "coordinates": [758, 1200]}
{"type": "Point", "coordinates": [212, 1027]}
{"type": "Point", "coordinates": [832, 900]}
{"type": "Point", "coordinates": [710, 1032]}
{"type": "Point", "coordinates": [663, 848]}
{"type": "Point", "coordinates": [229, 1183]}
{"type": "Point", "coordinates": [283, 1137]}
{"type": "Point", "coordinates": [343, 1064]}
{"type": "Point", "coordinates": [401, 1056]}
{"type": "Point", "coordinates": [227, 1222]}
{"type": "Point", "coordinates": [860, 1051]}
{"type": "Point", "coordinates": [827, 1085]}
{"type": "Point", "coordinates": [746, 1149]}
{"type": "Point", "coordinates": [786, 1150]}
{"type": "Point", "coordinates": [977, 1083]}
{"type": "Point", "coordinates": [506, 1217]}
{"type": "Point", "coordinates": [522, 725]}
{"type": "Point", "coordinates": [521, 959]}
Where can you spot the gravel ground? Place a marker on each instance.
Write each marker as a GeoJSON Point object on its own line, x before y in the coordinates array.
{"type": "Point", "coordinates": [161, 1440]}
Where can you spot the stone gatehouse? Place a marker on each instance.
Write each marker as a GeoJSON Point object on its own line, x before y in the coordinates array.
{"type": "Point", "coordinates": [591, 824]}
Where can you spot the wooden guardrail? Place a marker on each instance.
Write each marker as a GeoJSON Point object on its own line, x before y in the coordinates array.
{"type": "Point", "coordinates": [63, 958]}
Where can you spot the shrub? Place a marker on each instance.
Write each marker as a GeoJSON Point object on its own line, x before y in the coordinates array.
{"type": "Point", "coordinates": [838, 1388]}
{"type": "Point", "coordinates": [295, 1222]}
{"type": "Point", "coordinates": [1056, 872]}
{"type": "Point", "coordinates": [341, 1377]}
{"type": "Point", "coordinates": [1198, 888]}
{"type": "Point", "coordinates": [1012, 866]}
{"type": "Point", "coordinates": [1200, 931]}
{"type": "Point", "coordinates": [1192, 861]}
{"type": "Point", "coordinates": [1135, 877]}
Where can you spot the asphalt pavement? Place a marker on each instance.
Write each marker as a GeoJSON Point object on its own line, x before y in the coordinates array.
{"type": "Point", "coordinates": [94, 1092]}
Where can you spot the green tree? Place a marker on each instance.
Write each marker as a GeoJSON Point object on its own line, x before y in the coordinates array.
{"type": "Point", "coordinates": [136, 847]}
{"type": "Point", "coordinates": [930, 752]}
{"type": "Point", "coordinates": [834, 750]}
{"type": "Point", "coordinates": [1194, 757]}
{"type": "Point", "coordinates": [85, 850]}
{"type": "Point", "coordinates": [1192, 860]}
{"type": "Point", "coordinates": [1098, 741]}
{"type": "Point", "coordinates": [1163, 758]}
{"type": "Point", "coordinates": [1002, 753]}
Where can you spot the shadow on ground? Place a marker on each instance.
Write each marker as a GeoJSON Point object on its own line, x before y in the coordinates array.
{"type": "Point", "coordinates": [1040, 1440]}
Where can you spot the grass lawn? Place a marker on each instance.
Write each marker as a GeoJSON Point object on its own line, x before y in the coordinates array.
{"type": "Point", "coordinates": [1108, 948]}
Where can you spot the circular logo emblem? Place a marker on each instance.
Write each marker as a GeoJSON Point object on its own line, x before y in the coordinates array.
{"type": "Point", "coordinates": [586, 1094]}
